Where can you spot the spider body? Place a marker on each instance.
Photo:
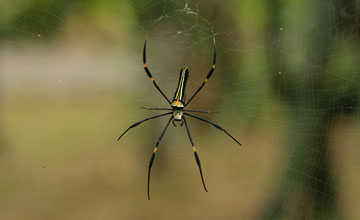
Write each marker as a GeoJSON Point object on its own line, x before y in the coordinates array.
{"type": "Point", "coordinates": [178, 112]}
{"type": "Point", "coordinates": [178, 101]}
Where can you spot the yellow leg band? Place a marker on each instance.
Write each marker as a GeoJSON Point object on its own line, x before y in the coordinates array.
{"type": "Point", "coordinates": [152, 79]}
{"type": "Point", "coordinates": [155, 149]}
{"type": "Point", "coordinates": [194, 148]}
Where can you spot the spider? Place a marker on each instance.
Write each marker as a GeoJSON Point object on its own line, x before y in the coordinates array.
{"type": "Point", "coordinates": [177, 111]}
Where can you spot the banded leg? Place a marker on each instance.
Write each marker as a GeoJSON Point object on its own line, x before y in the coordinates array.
{"type": "Point", "coordinates": [213, 124]}
{"type": "Point", "coordinates": [201, 111]}
{"type": "Point", "coordinates": [149, 73]}
{"type": "Point", "coordinates": [184, 110]}
{"type": "Point", "coordinates": [208, 75]}
{"type": "Point", "coordinates": [139, 122]}
{"type": "Point", "coordinates": [195, 154]}
{"type": "Point", "coordinates": [149, 108]}
{"type": "Point", "coordinates": [153, 155]}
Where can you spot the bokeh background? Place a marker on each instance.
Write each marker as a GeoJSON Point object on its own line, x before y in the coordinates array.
{"type": "Point", "coordinates": [287, 83]}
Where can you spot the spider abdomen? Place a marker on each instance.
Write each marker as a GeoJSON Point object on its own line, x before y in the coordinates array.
{"type": "Point", "coordinates": [179, 96]}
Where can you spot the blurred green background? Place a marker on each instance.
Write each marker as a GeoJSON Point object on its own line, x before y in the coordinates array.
{"type": "Point", "coordinates": [287, 83]}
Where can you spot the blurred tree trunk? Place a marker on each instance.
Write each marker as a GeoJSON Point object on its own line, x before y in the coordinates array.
{"type": "Point", "coordinates": [311, 39]}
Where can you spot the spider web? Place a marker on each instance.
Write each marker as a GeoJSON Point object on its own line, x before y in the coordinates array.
{"type": "Point", "coordinates": [286, 82]}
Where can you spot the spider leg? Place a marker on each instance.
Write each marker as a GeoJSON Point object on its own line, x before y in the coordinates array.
{"type": "Point", "coordinates": [201, 111]}
{"type": "Point", "coordinates": [153, 155]}
{"type": "Point", "coordinates": [149, 73]}
{"type": "Point", "coordinates": [139, 122]}
{"type": "Point", "coordinates": [195, 154]}
{"type": "Point", "coordinates": [147, 108]}
{"type": "Point", "coordinates": [215, 125]}
{"type": "Point", "coordinates": [207, 76]}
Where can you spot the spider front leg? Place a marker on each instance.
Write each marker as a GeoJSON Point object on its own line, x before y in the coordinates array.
{"type": "Point", "coordinates": [154, 153]}
{"type": "Point", "coordinates": [149, 73]}
{"type": "Point", "coordinates": [207, 76]}
{"type": "Point", "coordinates": [195, 154]}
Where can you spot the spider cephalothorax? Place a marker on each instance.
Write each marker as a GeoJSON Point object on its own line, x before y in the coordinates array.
{"type": "Point", "coordinates": [178, 117]}
{"type": "Point", "coordinates": [177, 111]}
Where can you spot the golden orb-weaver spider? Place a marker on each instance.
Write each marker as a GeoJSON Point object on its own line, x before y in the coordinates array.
{"type": "Point", "coordinates": [177, 111]}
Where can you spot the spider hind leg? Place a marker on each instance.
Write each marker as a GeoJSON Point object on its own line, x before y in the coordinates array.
{"type": "Point", "coordinates": [153, 155]}
{"type": "Point", "coordinates": [197, 159]}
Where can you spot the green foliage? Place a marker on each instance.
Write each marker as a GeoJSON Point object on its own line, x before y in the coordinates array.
{"type": "Point", "coordinates": [38, 17]}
